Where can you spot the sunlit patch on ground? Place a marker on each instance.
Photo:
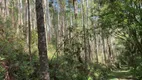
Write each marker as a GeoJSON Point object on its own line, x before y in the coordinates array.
{"type": "Point", "coordinates": [120, 75]}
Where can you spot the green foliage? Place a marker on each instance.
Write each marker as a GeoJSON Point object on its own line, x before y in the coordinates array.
{"type": "Point", "coordinates": [18, 62]}
{"type": "Point", "coordinates": [120, 18]}
{"type": "Point", "coordinates": [137, 72]}
{"type": "Point", "coordinates": [65, 68]}
{"type": "Point", "coordinates": [70, 65]}
{"type": "Point", "coordinates": [123, 19]}
{"type": "Point", "coordinates": [13, 58]}
{"type": "Point", "coordinates": [2, 72]}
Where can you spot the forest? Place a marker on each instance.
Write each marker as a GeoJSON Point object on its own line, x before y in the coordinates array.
{"type": "Point", "coordinates": [70, 40]}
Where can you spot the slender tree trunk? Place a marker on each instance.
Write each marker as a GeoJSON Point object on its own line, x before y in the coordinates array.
{"type": "Point", "coordinates": [89, 49]}
{"type": "Point", "coordinates": [103, 44]}
{"type": "Point", "coordinates": [44, 67]}
{"type": "Point", "coordinates": [47, 21]}
{"type": "Point", "coordinates": [96, 49]}
{"type": "Point", "coordinates": [5, 2]}
{"type": "Point", "coordinates": [21, 10]}
{"type": "Point", "coordinates": [109, 50]}
{"type": "Point", "coordinates": [29, 30]}
{"type": "Point", "coordinates": [18, 18]}
{"type": "Point", "coordinates": [58, 34]}
{"type": "Point", "coordinates": [71, 25]}
{"type": "Point", "coordinates": [84, 30]}
{"type": "Point", "coordinates": [26, 24]}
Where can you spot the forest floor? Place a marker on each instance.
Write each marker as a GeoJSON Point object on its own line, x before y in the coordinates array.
{"type": "Point", "coordinates": [120, 75]}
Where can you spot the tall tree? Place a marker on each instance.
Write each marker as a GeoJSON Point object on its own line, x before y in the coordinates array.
{"type": "Point", "coordinates": [42, 47]}
{"type": "Point", "coordinates": [29, 30]}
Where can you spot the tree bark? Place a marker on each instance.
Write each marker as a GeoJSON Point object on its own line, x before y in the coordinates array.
{"type": "Point", "coordinates": [42, 47]}
{"type": "Point", "coordinates": [84, 30]}
{"type": "Point", "coordinates": [103, 44]}
{"type": "Point", "coordinates": [96, 49]}
{"type": "Point", "coordinates": [29, 26]}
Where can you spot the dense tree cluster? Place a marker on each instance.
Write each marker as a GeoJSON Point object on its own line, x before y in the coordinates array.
{"type": "Point", "coordinates": [70, 39]}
